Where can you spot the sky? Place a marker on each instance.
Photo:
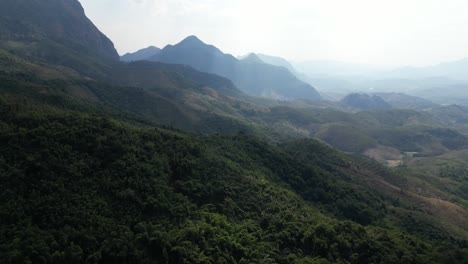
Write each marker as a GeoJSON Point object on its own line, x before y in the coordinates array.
{"type": "Point", "coordinates": [379, 32]}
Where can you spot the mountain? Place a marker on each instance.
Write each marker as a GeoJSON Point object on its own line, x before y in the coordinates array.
{"type": "Point", "coordinates": [365, 101]}
{"type": "Point", "coordinates": [252, 58]}
{"type": "Point", "coordinates": [453, 70]}
{"type": "Point", "coordinates": [150, 162]}
{"type": "Point", "coordinates": [277, 61]}
{"type": "Point", "coordinates": [166, 95]}
{"type": "Point", "coordinates": [142, 54]}
{"type": "Point", "coordinates": [192, 51]}
{"type": "Point", "coordinates": [258, 79]}
{"type": "Point", "coordinates": [57, 32]}
{"type": "Point", "coordinates": [81, 68]}
{"type": "Point", "coordinates": [27, 26]}
{"type": "Point", "coordinates": [273, 60]}
{"type": "Point", "coordinates": [145, 74]}
{"type": "Point", "coordinates": [445, 94]}
{"type": "Point", "coordinates": [61, 21]}
{"type": "Point", "coordinates": [404, 101]}
{"type": "Point", "coordinates": [80, 188]}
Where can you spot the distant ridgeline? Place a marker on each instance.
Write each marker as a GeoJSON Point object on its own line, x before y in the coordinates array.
{"type": "Point", "coordinates": [365, 101]}
{"type": "Point", "coordinates": [103, 161]}
{"type": "Point", "coordinates": [251, 74]}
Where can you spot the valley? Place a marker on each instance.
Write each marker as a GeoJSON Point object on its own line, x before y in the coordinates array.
{"type": "Point", "coordinates": [187, 154]}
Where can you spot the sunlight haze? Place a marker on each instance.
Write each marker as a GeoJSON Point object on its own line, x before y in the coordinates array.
{"type": "Point", "coordinates": [394, 32]}
{"type": "Point", "coordinates": [234, 131]}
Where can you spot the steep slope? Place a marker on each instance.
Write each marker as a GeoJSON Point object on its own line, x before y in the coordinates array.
{"type": "Point", "coordinates": [88, 177]}
{"type": "Point", "coordinates": [170, 95]}
{"type": "Point", "coordinates": [277, 61]}
{"type": "Point", "coordinates": [62, 21]}
{"type": "Point", "coordinates": [62, 49]}
{"type": "Point", "coordinates": [142, 54]}
{"type": "Point", "coordinates": [259, 79]}
{"type": "Point", "coordinates": [55, 31]}
{"type": "Point", "coordinates": [144, 74]}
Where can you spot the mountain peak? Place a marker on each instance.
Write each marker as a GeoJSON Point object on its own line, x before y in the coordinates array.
{"type": "Point", "coordinates": [252, 58]}
{"type": "Point", "coordinates": [153, 48]}
{"type": "Point", "coordinates": [142, 54]}
{"type": "Point", "coordinates": [194, 44]}
{"type": "Point", "coordinates": [192, 40]}
{"type": "Point", "coordinates": [254, 77]}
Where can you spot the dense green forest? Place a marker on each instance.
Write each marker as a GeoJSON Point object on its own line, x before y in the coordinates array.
{"type": "Point", "coordinates": [145, 162]}
{"type": "Point", "coordinates": [79, 187]}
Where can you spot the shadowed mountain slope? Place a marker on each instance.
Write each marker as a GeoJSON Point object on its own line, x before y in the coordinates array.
{"type": "Point", "coordinates": [93, 171]}
{"type": "Point", "coordinates": [142, 54]}
{"type": "Point", "coordinates": [254, 78]}
{"type": "Point", "coordinates": [365, 101]}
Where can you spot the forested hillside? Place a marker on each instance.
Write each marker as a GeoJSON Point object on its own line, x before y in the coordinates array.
{"type": "Point", "coordinates": [109, 162]}
{"type": "Point", "coordinates": [80, 187]}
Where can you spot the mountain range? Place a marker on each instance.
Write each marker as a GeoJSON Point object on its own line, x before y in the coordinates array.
{"type": "Point", "coordinates": [273, 60]}
{"type": "Point", "coordinates": [334, 80]}
{"type": "Point", "coordinates": [455, 70]}
{"type": "Point", "coordinates": [103, 161]}
{"type": "Point", "coordinates": [253, 77]}
{"type": "Point", "coordinates": [142, 54]}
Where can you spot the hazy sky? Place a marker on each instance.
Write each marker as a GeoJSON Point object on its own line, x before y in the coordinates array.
{"type": "Point", "coordinates": [396, 32]}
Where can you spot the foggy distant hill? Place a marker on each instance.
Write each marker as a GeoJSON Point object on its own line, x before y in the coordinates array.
{"type": "Point", "coordinates": [142, 54]}
{"type": "Point", "coordinates": [365, 101]}
{"type": "Point", "coordinates": [107, 161]}
{"type": "Point", "coordinates": [252, 58]}
{"type": "Point", "coordinates": [445, 83]}
{"type": "Point", "coordinates": [259, 79]}
{"type": "Point", "coordinates": [404, 101]}
{"type": "Point", "coordinates": [454, 70]}
{"type": "Point", "coordinates": [277, 61]}
{"type": "Point", "coordinates": [447, 94]}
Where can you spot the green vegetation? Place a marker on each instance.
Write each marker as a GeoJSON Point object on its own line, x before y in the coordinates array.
{"type": "Point", "coordinates": [83, 188]}
{"type": "Point", "coordinates": [108, 162]}
{"type": "Point", "coordinates": [87, 177]}
{"type": "Point", "coordinates": [447, 173]}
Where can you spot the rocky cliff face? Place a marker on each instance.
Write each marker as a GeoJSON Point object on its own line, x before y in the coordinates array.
{"type": "Point", "coordinates": [60, 21]}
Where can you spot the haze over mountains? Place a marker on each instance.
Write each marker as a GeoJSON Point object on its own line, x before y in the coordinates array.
{"type": "Point", "coordinates": [273, 60]}
{"type": "Point", "coordinates": [142, 54]}
{"type": "Point", "coordinates": [365, 101]}
{"type": "Point", "coordinates": [146, 161]}
{"type": "Point", "coordinates": [335, 80]}
{"type": "Point", "coordinates": [253, 77]}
